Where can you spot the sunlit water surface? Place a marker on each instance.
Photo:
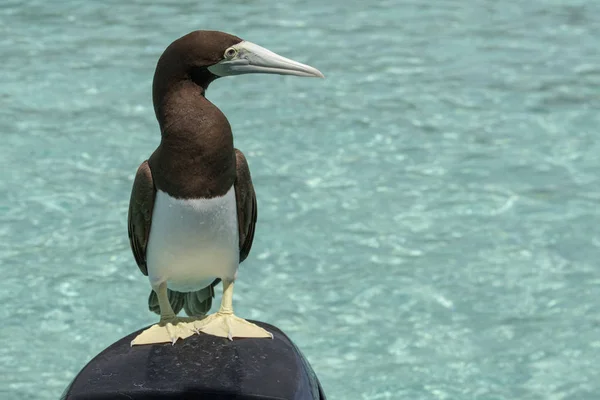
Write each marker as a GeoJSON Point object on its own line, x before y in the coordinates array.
{"type": "Point", "coordinates": [428, 225]}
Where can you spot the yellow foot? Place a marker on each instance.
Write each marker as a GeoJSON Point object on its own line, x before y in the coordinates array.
{"type": "Point", "coordinates": [230, 326]}
{"type": "Point", "coordinates": [166, 331]}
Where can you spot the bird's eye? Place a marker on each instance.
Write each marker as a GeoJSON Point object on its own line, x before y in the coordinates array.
{"type": "Point", "coordinates": [230, 52]}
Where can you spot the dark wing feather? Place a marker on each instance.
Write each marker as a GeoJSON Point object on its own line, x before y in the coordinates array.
{"type": "Point", "coordinates": [141, 205]}
{"type": "Point", "coordinates": [246, 204]}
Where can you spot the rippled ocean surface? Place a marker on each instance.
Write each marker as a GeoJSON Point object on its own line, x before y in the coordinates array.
{"type": "Point", "coordinates": [429, 221]}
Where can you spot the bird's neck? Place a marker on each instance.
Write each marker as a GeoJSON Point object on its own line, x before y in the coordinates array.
{"type": "Point", "coordinates": [176, 102]}
{"type": "Point", "coordinates": [196, 156]}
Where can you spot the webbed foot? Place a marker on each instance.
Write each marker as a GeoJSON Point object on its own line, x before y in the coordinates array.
{"type": "Point", "coordinates": [229, 326]}
{"type": "Point", "coordinates": [167, 331]}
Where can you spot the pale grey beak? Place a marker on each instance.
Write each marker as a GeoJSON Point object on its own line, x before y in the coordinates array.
{"type": "Point", "coordinates": [250, 58]}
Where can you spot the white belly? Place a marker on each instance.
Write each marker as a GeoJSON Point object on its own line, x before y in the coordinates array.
{"type": "Point", "coordinates": [193, 242]}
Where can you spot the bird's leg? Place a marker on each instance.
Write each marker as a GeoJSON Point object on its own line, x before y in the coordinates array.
{"type": "Point", "coordinates": [225, 324]}
{"type": "Point", "coordinates": [227, 300]}
{"type": "Point", "coordinates": [166, 311]}
{"type": "Point", "coordinates": [170, 328]}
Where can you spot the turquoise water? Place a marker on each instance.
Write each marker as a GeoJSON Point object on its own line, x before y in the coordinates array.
{"type": "Point", "coordinates": [428, 214]}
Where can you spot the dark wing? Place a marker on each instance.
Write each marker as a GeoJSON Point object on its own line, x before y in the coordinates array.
{"type": "Point", "coordinates": [246, 204]}
{"type": "Point", "coordinates": [141, 205]}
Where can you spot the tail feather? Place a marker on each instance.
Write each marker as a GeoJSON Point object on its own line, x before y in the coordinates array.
{"type": "Point", "coordinates": [198, 303]}
{"type": "Point", "coordinates": [195, 304]}
{"type": "Point", "coordinates": [175, 298]}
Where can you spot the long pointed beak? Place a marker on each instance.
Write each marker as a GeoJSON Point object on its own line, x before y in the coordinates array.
{"type": "Point", "coordinates": [250, 58]}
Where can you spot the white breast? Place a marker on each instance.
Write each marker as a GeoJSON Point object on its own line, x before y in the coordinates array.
{"type": "Point", "coordinates": [193, 242]}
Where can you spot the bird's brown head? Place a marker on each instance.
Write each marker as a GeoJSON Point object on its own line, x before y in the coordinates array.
{"type": "Point", "coordinates": [203, 56]}
{"type": "Point", "coordinates": [188, 59]}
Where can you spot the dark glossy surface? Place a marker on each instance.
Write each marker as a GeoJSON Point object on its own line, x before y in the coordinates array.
{"type": "Point", "coordinates": [201, 366]}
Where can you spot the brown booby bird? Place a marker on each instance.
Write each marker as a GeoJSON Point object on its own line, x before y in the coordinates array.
{"type": "Point", "coordinates": [193, 208]}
